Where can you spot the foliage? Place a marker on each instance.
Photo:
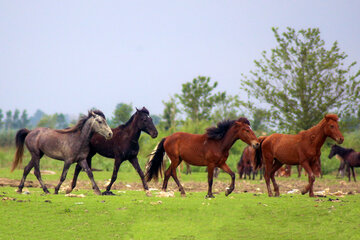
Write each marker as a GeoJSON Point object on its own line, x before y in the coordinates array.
{"type": "Point", "coordinates": [122, 114]}
{"type": "Point", "coordinates": [197, 98]}
{"type": "Point", "coordinates": [170, 113]}
{"type": "Point", "coordinates": [226, 107]}
{"type": "Point", "coordinates": [301, 81]}
{"type": "Point", "coordinates": [56, 121]}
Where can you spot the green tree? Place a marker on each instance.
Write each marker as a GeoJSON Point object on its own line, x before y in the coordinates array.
{"type": "Point", "coordinates": [122, 114]}
{"type": "Point", "coordinates": [16, 119]}
{"type": "Point", "coordinates": [1, 118]}
{"type": "Point", "coordinates": [24, 119]}
{"type": "Point", "coordinates": [155, 118]}
{"type": "Point", "coordinates": [61, 121]}
{"type": "Point", "coordinates": [226, 107]}
{"type": "Point", "coordinates": [170, 113]}
{"type": "Point", "coordinates": [197, 98]}
{"type": "Point", "coordinates": [48, 121]}
{"type": "Point", "coordinates": [301, 81]}
{"type": "Point", "coordinates": [8, 120]}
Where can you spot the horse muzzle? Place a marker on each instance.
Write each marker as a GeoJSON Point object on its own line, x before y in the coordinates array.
{"type": "Point", "coordinates": [255, 144]}
{"type": "Point", "coordinates": [340, 140]}
{"type": "Point", "coordinates": [154, 134]}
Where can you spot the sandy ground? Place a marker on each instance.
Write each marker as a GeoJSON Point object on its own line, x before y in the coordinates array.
{"type": "Point", "coordinates": [285, 185]}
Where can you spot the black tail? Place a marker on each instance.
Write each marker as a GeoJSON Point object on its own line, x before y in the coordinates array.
{"type": "Point", "coordinates": [156, 162]}
{"type": "Point", "coordinates": [19, 141]}
{"type": "Point", "coordinates": [258, 155]}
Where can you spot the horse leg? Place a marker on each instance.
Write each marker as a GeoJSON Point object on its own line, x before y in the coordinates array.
{"type": "Point", "coordinates": [309, 187]}
{"type": "Point", "coordinates": [26, 172]}
{"type": "Point", "coordinates": [88, 171]}
{"type": "Point", "coordinates": [353, 173]}
{"type": "Point", "coordinates": [166, 178]}
{"type": "Point", "coordinates": [226, 168]}
{"type": "Point", "coordinates": [73, 183]}
{"type": "Point", "coordinates": [299, 170]}
{"type": "Point", "coordinates": [277, 164]}
{"type": "Point", "coordinates": [173, 174]}
{"type": "Point", "coordinates": [210, 181]}
{"type": "Point", "coordinates": [135, 162]}
{"type": "Point", "coordinates": [188, 168]}
{"type": "Point", "coordinates": [77, 172]}
{"type": "Point", "coordinates": [38, 175]}
{"type": "Point", "coordinates": [268, 160]}
{"type": "Point", "coordinates": [117, 164]}
{"type": "Point", "coordinates": [67, 164]}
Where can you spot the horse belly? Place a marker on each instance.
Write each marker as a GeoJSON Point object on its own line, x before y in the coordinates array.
{"type": "Point", "coordinates": [286, 154]}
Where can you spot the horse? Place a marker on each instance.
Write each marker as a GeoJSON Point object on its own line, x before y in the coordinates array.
{"type": "Point", "coordinates": [69, 145]}
{"type": "Point", "coordinates": [350, 157]}
{"type": "Point", "coordinates": [210, 149]}
{"type": "Point", "coordinates": [244, 166]}
{"type": "Point", "coordinates": [300, 149]}
{"type": "Point", "coordinates": [123, 146]}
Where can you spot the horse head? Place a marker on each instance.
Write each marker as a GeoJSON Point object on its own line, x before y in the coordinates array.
{"type": "Point", "coordinates": [245, 133]}
{"type": "Point", "coordinates": [99, 124]}
{"type": "Point", "coordinates": [331, 128]}
{"type": "Point", "coordinates": [332, 151]}
{"type": "Point", "coordinates": [145, 123]}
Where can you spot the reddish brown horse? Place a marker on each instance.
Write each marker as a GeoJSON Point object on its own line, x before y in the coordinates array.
{"type": "Point", "coordinates": [244, 166]}
{"type": "Point", "coordinates": [210, 149]}
{"type": "Point", "coordinates": [302, 148]}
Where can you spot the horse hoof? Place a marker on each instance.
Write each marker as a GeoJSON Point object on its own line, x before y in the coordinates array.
{"type": "Point", "coordinates": [148, 193]}
{"type": "Point", "coordinates": [183, 195]}
{"type": "Point", "coordinates": [209, 196]}
{"type": "Point", "coordinates": [68, 190]}
{"type": "Point", "coordinates": [19, 191]}
{"type": "Point", "coordinates": [110, 193]}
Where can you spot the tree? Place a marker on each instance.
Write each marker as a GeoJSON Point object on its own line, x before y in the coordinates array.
{"type": "Point", "coordinates": [61, 121]}
{"type": "Point", "coordinates": [8, 120]}
{"type": "Point", "coordinates": [24, 119]}
{"type": "Point", "coordinates": [301, 81]}
{"type": "Point", "coordinates": [155, 118]}
{"type": "Point", "coordinates": [197, 98]}
{"type": "Point", "coordinates": [226, 107]}
{"type": "Point", "coordinates": [122, 114]}
{"type": "Point", "coordinates": [34, 120]}
{"type": "Point", "coordinates": [170, 112]}
{"type": "Point", "coordinates": [1, 119]}
{"type": "Point", "coordinates": [48, 121]}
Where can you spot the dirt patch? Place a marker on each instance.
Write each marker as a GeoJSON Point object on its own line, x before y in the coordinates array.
{"type": "Point", "coordinates": [285, 185]}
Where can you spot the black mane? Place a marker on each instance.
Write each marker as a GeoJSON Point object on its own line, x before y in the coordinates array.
{"type": "Point", "coordinates": [143, 110]}
{"type": "Point", "coordinates": [222, 127]}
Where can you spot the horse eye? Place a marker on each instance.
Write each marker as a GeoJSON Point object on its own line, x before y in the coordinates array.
{"type": "Point", "coordinates": [99, 121]}
{"type": "Point", "coordinates": [331, 126]}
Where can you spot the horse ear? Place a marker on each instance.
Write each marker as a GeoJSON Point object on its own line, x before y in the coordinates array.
{"type": "Point", "coordinates": [136, 109]}
{"type": "Point", "coordinates": [92, 113]}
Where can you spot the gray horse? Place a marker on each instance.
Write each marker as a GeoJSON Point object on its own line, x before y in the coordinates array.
{"type": "Point", "coordinates": [70, 145]}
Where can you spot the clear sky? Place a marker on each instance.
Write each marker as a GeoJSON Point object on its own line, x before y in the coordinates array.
{"type": "Point", "coordinates": [69, 56]}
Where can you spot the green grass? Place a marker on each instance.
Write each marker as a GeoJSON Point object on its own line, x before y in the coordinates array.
{"type": "Point", "coordinates": [131, 215]}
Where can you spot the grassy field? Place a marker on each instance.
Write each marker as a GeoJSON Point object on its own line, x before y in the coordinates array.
{"type": "Point", "coordinates": [131, 215]}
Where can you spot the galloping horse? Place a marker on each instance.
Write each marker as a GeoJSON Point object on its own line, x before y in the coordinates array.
{"type": "Point", "coordinates": [302, 148]}
{"type": "Point", "coordinates": [350, 157]}
{"type": "Point", "coordinates": [69, 145]}
{"type": "Point", "coordinates": [210, 149]}
{"type": "Point", "coordinates": [123, 146]}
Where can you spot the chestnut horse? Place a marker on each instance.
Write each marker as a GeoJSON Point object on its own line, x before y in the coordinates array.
{"type": "Point", "coordinates": [210, 149]}
{"type": "Point", "coordinates": [123, 146]}
{"type": "Point", "coordinates": [350, 157]}
{"type": "Point", "coordinates": [244, 166]}
{"type": "Point", "coordinates": [70, 145]}
{"type": "Point", "coordinates": [300, 149]}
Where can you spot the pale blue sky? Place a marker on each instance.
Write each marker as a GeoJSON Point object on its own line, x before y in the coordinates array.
{"type": "Point", "coordinates": [68, 56]}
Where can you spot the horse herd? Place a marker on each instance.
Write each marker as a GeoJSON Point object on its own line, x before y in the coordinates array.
{"type": "Point", "coordinates": [92, 135]}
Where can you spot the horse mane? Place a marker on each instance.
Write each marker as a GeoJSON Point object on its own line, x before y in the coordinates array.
{"type": "Point", "coordinates": [143, 110]}
{"type": "Point", "coordinates": [81, 122]}
{"type": "Point", "coordinates": [322, 122]}
{"type": "Point", "coordinates": [222, 127]}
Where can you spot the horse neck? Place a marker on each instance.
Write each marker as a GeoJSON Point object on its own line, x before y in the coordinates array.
{"type": "Point", "coordinates": [86, 133]}
{"type": "Point", "coordinates": [318, 132]}
{"type": "Point", "coordinates": [342, 152]}
{"type": "Point", "coordinates": [133, 130]}
{"type": "Point", "coordinates": [228, 140]}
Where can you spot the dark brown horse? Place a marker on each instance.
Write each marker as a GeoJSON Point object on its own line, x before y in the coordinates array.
{"type": "Point", "coordinates": [69, 145]}
{"type": "Point", "coordinates": [210, 149]}
{"type": "Point", "coordinates": [302, 148]}
{"type": "Point", "coordinates": [350, 157]}
{"type": "Point", "coordinates": [123, 146]}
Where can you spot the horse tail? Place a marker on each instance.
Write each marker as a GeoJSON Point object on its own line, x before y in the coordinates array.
{"type": "Point", "coordinates": [155, 163]}
{"type": "Point", "coordinates": [19, 141]}
{"type": "Point", "coordinates": [258, 154]}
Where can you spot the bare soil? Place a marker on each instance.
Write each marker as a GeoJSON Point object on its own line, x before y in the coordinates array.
{"type": "Point", "coordinates": [285, 184]}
